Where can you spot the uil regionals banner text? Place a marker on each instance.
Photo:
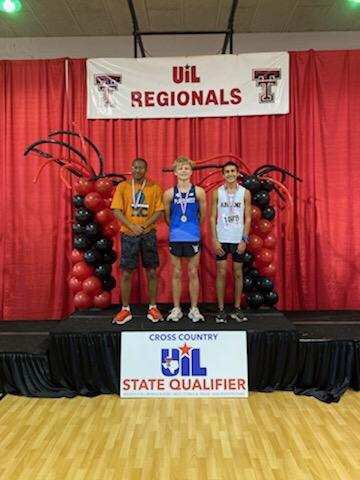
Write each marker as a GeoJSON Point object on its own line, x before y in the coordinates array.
{"type": "Point", "coordinates": [205, 86]}
{"type": "Point", "coordinates": [180, 364]}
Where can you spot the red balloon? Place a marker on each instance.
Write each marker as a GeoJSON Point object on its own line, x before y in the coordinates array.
{"type": "Point", "coordinates": [105, 216]}
{"type": "Point", "coordinates": [92, 285]}
{"type": "Point", "coordinates": [82, 301]}
{"type": "Point", "coordinates": [107, 202]}
{"type": "Point", "coordinates": [82, 270]}
{"type": "Point", "coordinates": [264, 257]}
{"type": "Point", "coordinates": [270, 241]}
{"type": "Point", "coordinates": [268, 270]}
{"type": "Point", "coordinates": [255, 213]}
{"type": "Point", "coordinates": [94, 201]}
{"type": "Point", "coordinates": [255, 243]}
{"type": "Point", "coordinates": [102, 299]}
{"type": "Point", "coordinates": [77, 256]}
{"type": "Point", "coordinates": [75, 284]}
{"type": "Point", "coordinates": [264, 227]}
{"type": "Point", "coordinates": [84, 186]}
{"type": "Point", "coordinates": [111, 229]}
{"type": "Point", "coordinates": [104, 186]}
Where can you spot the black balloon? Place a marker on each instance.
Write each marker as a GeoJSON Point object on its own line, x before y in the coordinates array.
{"type": "Point", "coordinates": [103, 270]}
{"type": "Point", "coordinates": [83, 215]}
{"type": "Point", "coordinates": [266, 185]}
{"type": "Point", "coordinates": [92, 256]}
{"type": "Point", "coordinates": [109, 257]}
{"type": "Point", "coordinates": [81, 242]}
{"type": "Point", "coordinates": [109, 283]}
{"type": "Point", "coordinates": [253, 272]}
{"type": "Point", "coordinates": [78, 228]}
{"type": "Point", "coordinates": [255, 300]}
{"type": "Point", "coordinates": [261, 198]}
{"type": "Point", "coordinates": [78, 200]}
{"type": "Point", "coordinates": [268, 213]}
{"type": "Point", "coordinates": [252, 183]}
{"type": "Point", "coordinates": [92, 229]}
{"type": "Point", "coordinates": [264, 284]}
{"type": "Point", "coordinates": [248, 258]}
{"type": "Point", "coordinates": [104, 244]}
{"type": "Point", "coordinates": [271, 298]}
{"type": "Point", "coordinates": [248, 283]}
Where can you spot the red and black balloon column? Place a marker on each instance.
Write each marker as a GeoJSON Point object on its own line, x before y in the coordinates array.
{"type": "Point", "coordinates": [259, 259]}
{"type": "Point", "coordinates": [94, 224]}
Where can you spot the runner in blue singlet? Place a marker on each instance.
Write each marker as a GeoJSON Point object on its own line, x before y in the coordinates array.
{"type": "Point", "coordinates": [184, 211]}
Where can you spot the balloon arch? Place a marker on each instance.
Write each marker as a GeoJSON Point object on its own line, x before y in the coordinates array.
{"type": "Point", "coordinates": [94, 223]}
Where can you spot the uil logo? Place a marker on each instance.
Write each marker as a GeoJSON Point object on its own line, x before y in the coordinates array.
{"type": "Point", "coordinates": [183, 361]}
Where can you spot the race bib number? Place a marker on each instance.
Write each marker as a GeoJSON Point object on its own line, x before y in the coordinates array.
{"type": "Point", "coordinates": [231, 221]}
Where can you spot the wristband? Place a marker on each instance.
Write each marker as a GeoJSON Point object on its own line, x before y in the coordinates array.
{"type": "Point", "coordinates": [245, 238]}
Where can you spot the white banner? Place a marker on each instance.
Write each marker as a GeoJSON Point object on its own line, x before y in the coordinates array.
{"type": "Point", "coordinates": [206, 86]}
{"type": "Point", "coordinates": [183, 364]}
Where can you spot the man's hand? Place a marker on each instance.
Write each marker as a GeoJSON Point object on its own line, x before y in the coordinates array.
{"type": "Point", "coordinates": [241, 248]}
{"type": "Point", "coordinates": [136, 229]}
{"type": "Point", "coordinates": [218, 248]}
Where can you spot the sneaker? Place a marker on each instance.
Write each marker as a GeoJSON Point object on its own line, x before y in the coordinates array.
{"type": "Point", "coordinates": [238, 315]}
{"type": "Point", "coordinates": [154, 315]}
{"type": "Point", "coordinates": [221, 317]}
{"type": "Point", "coordinates": [122, 317]}
{"type": "Point", "coordinates": [195, 315]}
{"type": "Point", "coordinates": [174, 315]}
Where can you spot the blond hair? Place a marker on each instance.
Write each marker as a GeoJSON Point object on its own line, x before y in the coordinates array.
{"type": "Point", "coordinates": [183, 161]}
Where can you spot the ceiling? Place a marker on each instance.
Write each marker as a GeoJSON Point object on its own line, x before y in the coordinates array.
{"type": "Point", "coordinates": [54, 18]}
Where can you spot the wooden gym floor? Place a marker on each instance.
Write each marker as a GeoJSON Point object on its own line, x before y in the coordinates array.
{"type": "Point", "coordinates": [267, 436]}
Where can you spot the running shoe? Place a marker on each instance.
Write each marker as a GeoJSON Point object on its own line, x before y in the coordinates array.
{"type": "Point", "coordinates": [174, 315]}
{"type": "Point", "coordinates": [122, 317]}
{"type": "Point", "coordinates": [195, 315]}
{"type": "Point", "coordinates": [154, 315]}
{"type": "Point", "coordinates": [221, 317]}
{"type": "Point", "coordinates": [238, 315]}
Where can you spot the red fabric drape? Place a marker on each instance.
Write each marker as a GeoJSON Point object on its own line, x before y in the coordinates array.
{"type": "Point", "coordinates": [319, 140]}
{"type": "Point", "coordinates": [35, 228]}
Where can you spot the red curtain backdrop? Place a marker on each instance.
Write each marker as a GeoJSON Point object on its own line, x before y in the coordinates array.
{"type": "Point", "coordinates": [319, 140]}
{"type": "Point", "coordinates": [35, 228]}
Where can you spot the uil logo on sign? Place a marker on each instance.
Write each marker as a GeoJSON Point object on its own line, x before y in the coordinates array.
{"type": "Point", "coordinates": [183, 361]}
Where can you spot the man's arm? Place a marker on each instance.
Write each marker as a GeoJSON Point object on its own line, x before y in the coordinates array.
{"type": "Point", "coordinates": [201, 196]}
{"type": "Point", "coordinates": [247, 221]}
{"type": "Point", "coordinates": [167, 199]}
{"type": "Point", "coordinates": [213, 220]}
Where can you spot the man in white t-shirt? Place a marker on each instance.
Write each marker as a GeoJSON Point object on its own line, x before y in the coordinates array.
{"type": "Point", "coordinates": [230, 225]}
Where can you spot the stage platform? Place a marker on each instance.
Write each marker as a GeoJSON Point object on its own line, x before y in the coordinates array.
{"type": "Point", "coordinates": [309, 353]}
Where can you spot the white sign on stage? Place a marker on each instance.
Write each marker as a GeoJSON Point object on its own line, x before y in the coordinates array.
{"type": "Point", "coordinates": [183, 364]}
{"type": "Point", "coordinates": [203, 86]}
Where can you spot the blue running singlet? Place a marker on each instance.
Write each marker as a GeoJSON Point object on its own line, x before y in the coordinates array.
{"type": "Point", "coordinates": [180, 230]}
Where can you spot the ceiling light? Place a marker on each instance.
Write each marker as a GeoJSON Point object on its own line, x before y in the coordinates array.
{"type": "Point", "coordinates": [10, 6]}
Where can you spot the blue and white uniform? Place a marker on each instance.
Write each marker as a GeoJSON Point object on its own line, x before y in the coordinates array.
{"type": "Point", "coordinates": [189, 230]}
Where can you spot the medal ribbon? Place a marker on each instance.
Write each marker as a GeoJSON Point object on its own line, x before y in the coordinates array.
{"type": "Point", "coordinates": [136, 202]}
{"type": "Point", "coordinates": [183, 202]}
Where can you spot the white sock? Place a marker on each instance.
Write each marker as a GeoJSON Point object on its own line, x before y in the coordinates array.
{"type": "Point", "coordinates": [126, 308]}
{"type": "Point", "coordinates": [152, 306]}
